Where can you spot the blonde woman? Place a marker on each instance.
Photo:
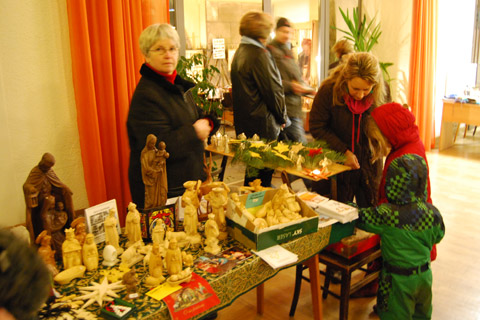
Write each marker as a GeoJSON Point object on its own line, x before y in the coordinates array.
{"type": "Point", "coordinates": [338, 116]}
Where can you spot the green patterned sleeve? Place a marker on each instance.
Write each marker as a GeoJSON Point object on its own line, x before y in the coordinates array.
{"type": "Point", "coordinates": [370, 220]}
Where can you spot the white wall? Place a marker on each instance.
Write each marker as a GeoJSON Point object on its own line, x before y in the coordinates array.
{"type": "Point", "coordinates": [37, 106]}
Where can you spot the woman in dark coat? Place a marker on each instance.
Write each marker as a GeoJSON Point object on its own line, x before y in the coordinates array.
{"type": "Point", "coordinates": [338, 116]}
{"type": "Point", "coordinates": [258, 98]}
{"type": "Point", "coordinates": [163, 106]}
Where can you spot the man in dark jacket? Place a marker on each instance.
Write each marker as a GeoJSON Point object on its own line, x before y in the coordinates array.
{"type": "Point", "coordinates": [258, 99]}
{"type": "Point", "coordinates": [292, 81]}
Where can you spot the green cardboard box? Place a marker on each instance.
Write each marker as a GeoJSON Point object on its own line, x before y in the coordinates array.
{"type": "Point", "coordinates": [243, 230]}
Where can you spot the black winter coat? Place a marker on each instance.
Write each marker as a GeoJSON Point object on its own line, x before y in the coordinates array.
{"type": "Point", "coordinates": [333, 124]}
{"type": "Point", "coordinates": [258, 99]}
{"type": "Point", "coordinates": [168, 111]}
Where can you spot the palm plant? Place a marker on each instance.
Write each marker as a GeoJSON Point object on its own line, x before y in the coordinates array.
{"type": "Point", "coordinates": [363, 35]}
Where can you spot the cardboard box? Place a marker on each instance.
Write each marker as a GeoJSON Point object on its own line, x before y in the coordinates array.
{"type": "Point", "coordinates": [242, 230]}
{"type": "Point", "coordinates": [351, 246]}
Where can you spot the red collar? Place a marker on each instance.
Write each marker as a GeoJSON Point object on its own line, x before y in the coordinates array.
{"type": "Point", "coordinates": [169, 77]}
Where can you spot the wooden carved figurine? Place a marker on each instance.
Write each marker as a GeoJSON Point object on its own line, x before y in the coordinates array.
{"type": "Point", "coordinates": [111, 233]}
{"type": "Point", "coordinates": [155, 267]}
{"type": "Point", "coordinates": [158, 233]}
{"type": "Point", "coordinates": [192, 191]}
{"type": "Point", "coordinates": [54, 221]}
{"type": "Point", "coordinates": [190, 222]}
{"type": "Point", "coordinates": [130, 281]}
{"type": "Point", "coordinates": [41, 183]}
{"type": "Point", "coordinates": [90, 253]}
{"type": "Point", "coordinates": [173, 258]}
{"type": "Point", "coordinates": [132, 225]}
{"type": "Point", "coordinates": [71, 250]}
{"type": "Point", "coordinates": [80, 229]}
{"type": "Point", "coordinates": [211, 233]}
{"type": "Point", "coordinates": [161, 167]}
{"type": "Point", "coordinates": [154, 172]}
{"type": "Point", "coordinates": [45, 251]}
{"type": "Point", "coordinates": [218, 200]}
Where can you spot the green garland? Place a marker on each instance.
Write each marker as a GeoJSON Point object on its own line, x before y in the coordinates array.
{"type": "Point", "coordinates": [273, 154]}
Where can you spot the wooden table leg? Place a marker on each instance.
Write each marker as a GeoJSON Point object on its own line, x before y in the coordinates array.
{"type": "Point", "coordinates": [260, 304]}
{"type": "Point", "coordinates": [314, 272]}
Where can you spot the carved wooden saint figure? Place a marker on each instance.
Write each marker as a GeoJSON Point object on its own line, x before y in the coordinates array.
{"type": "Point", "coordinates": [45, 251]}
{"type": "Point", "coordinates": [72, 251]}
{"type": "Point", "coordinates": [90, 253]}
{"type": "Point", "coordinates": [111, 233]}
{"type": "Point", "coordinates": [154, 172]}
{"type": "Point", "coordinates": [41, 183]}
{"type": "Point", "coordinates": [132, 225]}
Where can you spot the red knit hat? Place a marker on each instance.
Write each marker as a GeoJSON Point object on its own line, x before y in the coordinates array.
{"type": "Point", "coordinates": [397, 123]}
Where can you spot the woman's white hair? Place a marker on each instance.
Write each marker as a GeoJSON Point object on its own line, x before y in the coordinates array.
{"type": "Point", "coordinates": [155, 32]}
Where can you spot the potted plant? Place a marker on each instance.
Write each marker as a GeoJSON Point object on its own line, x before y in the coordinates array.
{"type": "Point", "coordinates": [204, 90]}
{"type": "Point", "coordinates": [363, 35]}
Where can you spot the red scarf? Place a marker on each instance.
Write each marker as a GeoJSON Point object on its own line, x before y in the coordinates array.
{"type": "Point", "coordinates": [169, 77]}
{"type": "Point", "coordinates": [357, 107]}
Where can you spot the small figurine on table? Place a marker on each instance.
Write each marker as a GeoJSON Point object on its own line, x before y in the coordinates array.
{"type": "Point", "coordinates": [155, 267]}
{"type": "Point", "coordinates": [192, 191]}
{"type": "Point", "coordinates": [130, 281]}
{"type": "Point", "coordinates": [158, 233]}
{"type": "Point", "coordinates": [80, 229]}
{"type": "Point", "coordinates": [90, 253]}
{"type": "Point", "coordinates": [190, 222]}
{"type": "Point", "coordinates": [173, 258]}
{"type": "Point", "coordinates": [111, 233]}
{"type": "Point", "coordinates": [132, 225]}
{"type": "Point", "coordinates": [211, 233]}
{"type": "Point", "coordinates": [45, 251]}
{"type": "Point", "coordinates": [218, 201]}
{"type": "Point", "coordinates": [71, 250]}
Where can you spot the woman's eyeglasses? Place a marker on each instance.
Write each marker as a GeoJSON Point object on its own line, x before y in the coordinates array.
{"type": "Point", "coordinates": [162, 51]}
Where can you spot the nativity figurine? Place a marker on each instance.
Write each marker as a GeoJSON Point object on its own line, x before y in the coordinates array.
{"type": "Point", "coordinates": [133, 229]}
{"type": "Point", "coordinates": [192, 191]}
{"type": "Point", "coordinates": [41, 183]}
{"type": "Point", "coordinates": [190, 222]}
{"type": "Point", "coordinates": [45, 251]}
{"type": "Point", "coordinates": [71, 250]}
{"type": "Point", "coordinates": [130, 281]}
{"type": "Point", "coordinates": [132, 255]}
{"type": "Point", "coordinates": [155, 267]}
{"type": "Point", "coordinates": [80, 229]}
{"type": "Point", "coordinates": [154, 172]}
{"type": "Point", "coordinates": [218, 200]}
{"type": "Point", "coordinates": [90, 253]}
{"type": "Point", "coordinates": [158, 233]}
{"type": "Point", "coordinates": [173, 258]}
{"type": "Point", "coordinates": [54, 219]}
{"type": "Point", "coordinates": [111, 232]}
{"type": "Point", "coordinates": [211, 234]}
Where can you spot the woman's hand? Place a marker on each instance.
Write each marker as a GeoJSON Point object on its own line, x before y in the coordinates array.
{"type": "Point", "coordinates": [202, 128]}
{"type": "Point", "coordinates": [352, 160]}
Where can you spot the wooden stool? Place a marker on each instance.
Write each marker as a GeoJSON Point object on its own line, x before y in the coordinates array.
{"type": "Point", "coordinates": [346, 266]}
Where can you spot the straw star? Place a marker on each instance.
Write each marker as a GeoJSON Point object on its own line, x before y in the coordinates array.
{"type": "Point", "coordinates": [99, 292]}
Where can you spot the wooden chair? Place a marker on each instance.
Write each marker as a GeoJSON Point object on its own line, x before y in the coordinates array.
{"type": "Point", "coordinates": [346, 266]}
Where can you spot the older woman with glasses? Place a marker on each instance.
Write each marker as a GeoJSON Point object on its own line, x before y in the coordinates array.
{"type": "Point", "coordinates": [163, 105]}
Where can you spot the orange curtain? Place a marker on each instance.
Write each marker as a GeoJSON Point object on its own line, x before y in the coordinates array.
{"type": "Point", "coordinates": [105, 65]}
{"type": "Point", "coordinates": [422, 68]}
